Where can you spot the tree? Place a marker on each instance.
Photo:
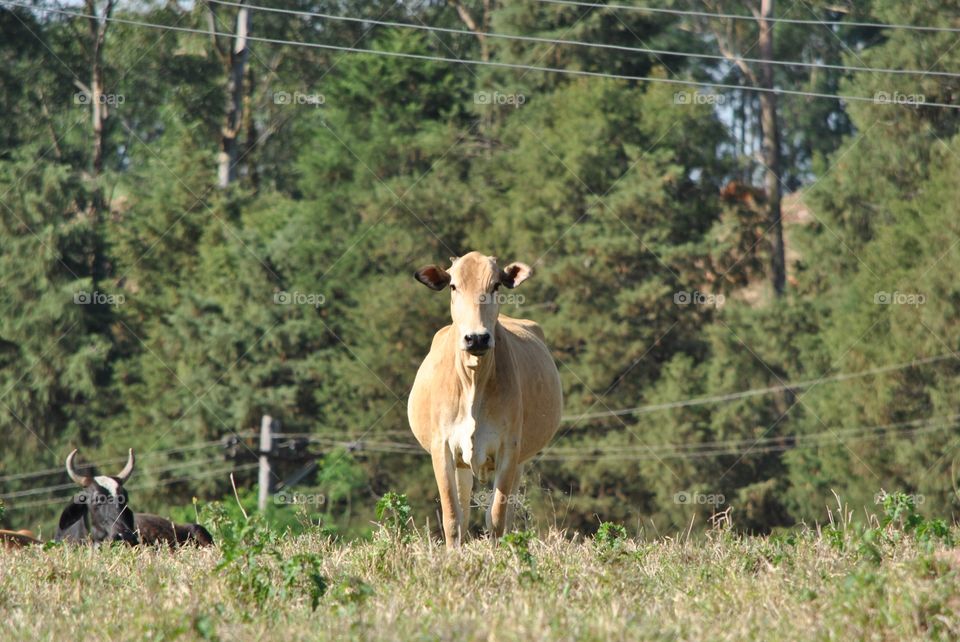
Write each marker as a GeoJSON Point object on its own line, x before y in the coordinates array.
{"type": "Point", "coordinates": [98, 24]}
{"type": "Point", "coordinates": [234, 59]}
{"type": "Point", "coordinates": [736, 39]}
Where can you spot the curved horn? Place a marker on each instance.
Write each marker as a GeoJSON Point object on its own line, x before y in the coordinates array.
{"type": "Point", "coordinates": [128, 469]}
{"type": "Point", "coordinates": [81, 480]}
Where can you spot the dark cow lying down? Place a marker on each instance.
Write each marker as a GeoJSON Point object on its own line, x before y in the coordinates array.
{"type": "Point", "coordinates": [154, 529]}
{"type": "Point", "coordinates": [99, 513]}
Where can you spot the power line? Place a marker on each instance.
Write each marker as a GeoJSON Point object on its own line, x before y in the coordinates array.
{"type": "Point", "coordinates": [648, 453]}
{"type": "Point", "coordinates": [734, 16]}
{"type": "Point", "coordinates": [210, 473]}
{"type": "Point", "coordinates": [698, 401]}
{"type": "Point", "coordinates": [165, 482]}
{"type": "Point", "coordinates": [580, 43]}
{"type": "Point", "coordinates": [118, 460]}
{"type": "Point", "coordinates": [492, 63]}
{"type": "Point", "coordinates": [769, 448]}
{"type": "Point", "coordinates": [48, 489]}
{"type": "Point", "coordinates": [698, 448]}
{"type": "Point", "coordinates": [696, 451]}
{"type": "Point", "coordinates": [855, 432]}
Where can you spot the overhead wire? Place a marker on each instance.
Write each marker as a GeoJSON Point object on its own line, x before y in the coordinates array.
{"type": "Point", "coordinates": [786, 441]}
{"type": "Point", "coordinates": [753, 392]}
{"type": "Point", "coordinates": [498, 64]}
{"type": "Point", "coordinates": [580, 43]}
{"type": "Point", "coordinates": [699, 448]}
{"type": "Point", "coordinates": [118, 460]}
{"type": "Point", "coordinates": [588, 455]}
{"type": "Point", "coordinates": [735, 16]}
{"type": "Point", "coordinates": [398, 447]}
{"type": "Point", "coordinates": [155, 471]}
{"type": "Point", "coordinates": [614, 453]}
{"type": "Point", "coordinates": [137, 487]}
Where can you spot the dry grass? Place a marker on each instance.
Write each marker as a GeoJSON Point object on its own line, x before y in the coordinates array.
{"type": "Point", "coordinates": [721, 587]}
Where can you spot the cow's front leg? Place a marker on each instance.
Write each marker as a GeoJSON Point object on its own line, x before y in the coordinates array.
{"type": "Point", "coordinates": [445, 472]}
{"type": "Point", "coordinates": [505, 484]}
{"type": "Point", "coordinates": [465, 493]}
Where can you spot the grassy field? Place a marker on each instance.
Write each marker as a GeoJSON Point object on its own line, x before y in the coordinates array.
{"type": "Point", "coordinates": [893, 580]}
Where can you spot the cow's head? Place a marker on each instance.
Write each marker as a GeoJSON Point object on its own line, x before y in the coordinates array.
{"type": "Point", "coordinates": [99, 512]}
{"type": "Point", "coordinates": [474, 280]}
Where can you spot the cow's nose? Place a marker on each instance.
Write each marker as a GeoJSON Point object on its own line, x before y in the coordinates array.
{"type": "Point", "coordinates": [126, 536]}
{"type": "Point", "coordinates": [477, 342]}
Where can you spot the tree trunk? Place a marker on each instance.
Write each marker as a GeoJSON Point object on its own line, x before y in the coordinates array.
{"type": "Point", "coordinates": [233, 122]}
{"type": "Point", "coordinates": [98, 33]}
{"type": "Point", "coordinates": [480, 29]}
{"type": "Point", "coordinates": [98, 25]}
{"type": "Point", "coordinates": [771, 148]}
{"type": "Point", "coordinates": [100, 114]}
{"type": "Point", "coordinates": [253, 136]}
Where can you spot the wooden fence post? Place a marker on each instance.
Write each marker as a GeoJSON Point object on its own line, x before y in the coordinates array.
{"type": "Point", "coordinates": [267, 428]}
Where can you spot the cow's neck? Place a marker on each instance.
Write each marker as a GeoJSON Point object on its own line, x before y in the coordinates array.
{"type": "Point", "coordinates": [474, 379]}
{"type": "Point", "coordinates": [474, 376]}
{"type": "Point", "coordinates": [474, 373]}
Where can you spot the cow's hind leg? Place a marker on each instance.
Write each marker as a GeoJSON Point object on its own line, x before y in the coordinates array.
{"type": "Point", "coordinates": [445, 472]}
{"type": "Point", "coordinates": [465, 495]}
{"type": "Point", "coordinates": [514, 498]}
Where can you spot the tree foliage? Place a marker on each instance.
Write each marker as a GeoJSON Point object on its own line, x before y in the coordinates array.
{"type": "Point", "coordinates": [289, 293]}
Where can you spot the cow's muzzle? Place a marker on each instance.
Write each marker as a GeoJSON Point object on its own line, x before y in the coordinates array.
{"type": "Point", "coordinates": [477, 344]}
{"type": "Point", "coordinates": [126, 537]}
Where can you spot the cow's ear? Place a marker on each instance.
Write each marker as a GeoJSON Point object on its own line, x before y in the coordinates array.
{"type": "Point", "coordinates": [515, 274]}
{"type": "Point", "coordinates": [72, 514]}
{"type": "Point", "coordinates": [433, 277]}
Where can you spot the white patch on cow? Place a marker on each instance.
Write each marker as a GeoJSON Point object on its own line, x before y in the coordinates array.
{"type": "Point", "coordinates": [109, 483]}
{"type": "Point", "coordinates": [472, 445]}
{"type": "Point", "coordinates": [461, 441]}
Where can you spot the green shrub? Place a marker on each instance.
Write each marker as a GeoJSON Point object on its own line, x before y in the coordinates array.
{"type": "Point", "coordinates": [251, 556]}
{"type": "Point", "coordinates": [900, 516]}
{"type": "Point", "coordinates": [394, 515]}
{"type": "Point", "coordinates": [610, 538]}
{"type": "Point", "coordinates": [518, 543]}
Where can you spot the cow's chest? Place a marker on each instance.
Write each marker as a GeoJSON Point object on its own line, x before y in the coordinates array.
{"type": "Point", "coordinates": [475, 444]}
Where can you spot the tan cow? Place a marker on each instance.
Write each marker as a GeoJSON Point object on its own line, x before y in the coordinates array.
{"type": "Point", "coordinates": [487, 397]}
{"type": "Point", "coordinates": [17, 539]}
